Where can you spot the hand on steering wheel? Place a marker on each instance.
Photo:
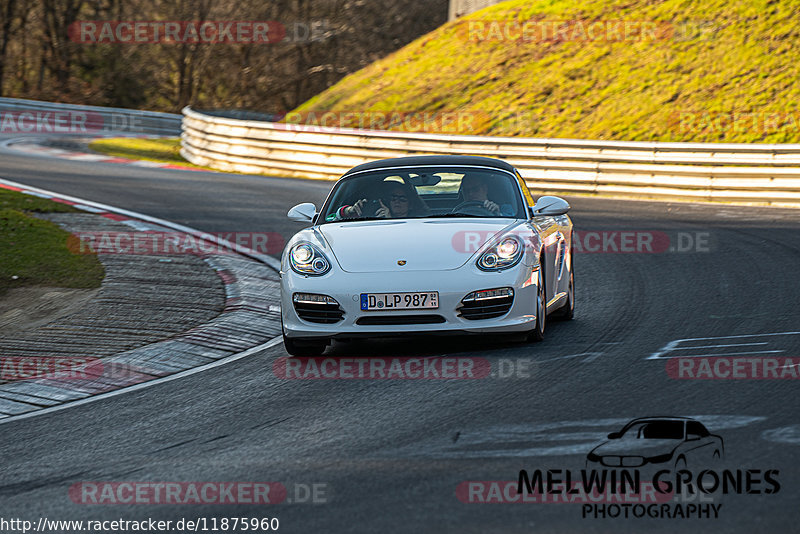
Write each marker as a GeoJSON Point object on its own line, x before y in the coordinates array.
{"type": "Point", "coordinates": [482, 205]}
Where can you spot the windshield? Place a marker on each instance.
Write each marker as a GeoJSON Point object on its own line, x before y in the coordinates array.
{"type": "Point", "coordinates": [655, 430]}
{"type": "Point", "coordinates": [425, 192]}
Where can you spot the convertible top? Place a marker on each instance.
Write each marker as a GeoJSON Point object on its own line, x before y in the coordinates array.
{"type": "Point", "coordinates": [412, 161]}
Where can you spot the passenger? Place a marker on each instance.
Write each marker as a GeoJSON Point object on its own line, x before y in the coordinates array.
{"type": "Point", "coordinates": [403, 202]}
{"type": "Point", "coordinates": [367, 206]}
{"type": "Point", "coordinates": [357, 210]}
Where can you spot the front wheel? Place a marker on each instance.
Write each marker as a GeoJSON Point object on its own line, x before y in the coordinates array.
{"type": "Point", "coordinates": [567, 311]}
{"type": "Point", "coordinates": [301, 347]}
{"type": "Point", "coordinates": [537, 334]}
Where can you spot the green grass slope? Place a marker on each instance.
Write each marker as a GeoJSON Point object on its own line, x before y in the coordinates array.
{"type": "Point", "coordinates": [716, 71]}
{"type": "Point", "coordinates": [37, 252]}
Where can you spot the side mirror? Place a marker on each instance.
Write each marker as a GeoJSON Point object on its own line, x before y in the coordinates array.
{"type": "Point", "coordinates": [302, 212]}
{"type": "Point", "coordinates": [550, 206]}
{"type": "Point", "coordinates": [614, 435]}
{"type": "Point", "coordinates": [692, 437]}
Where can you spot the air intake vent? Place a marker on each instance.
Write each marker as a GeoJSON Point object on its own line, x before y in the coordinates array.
{"type": "Point", "coordinates": [319, 312]}
{"type": "Point", "coordinates": [399, 319]}
{"type": "Point", "coordinates": [475, 310]}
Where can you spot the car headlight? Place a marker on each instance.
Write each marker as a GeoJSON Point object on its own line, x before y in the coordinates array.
{"type": "Point", "coordinates": [660, 459]}
{"type": "Point", "coordinates": [503, 255]}
{"type": "Point", "coordinates": [307, 259]}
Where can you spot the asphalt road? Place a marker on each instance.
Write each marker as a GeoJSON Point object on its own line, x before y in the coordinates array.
{"type": "Point", "coordinates": [388, 455]}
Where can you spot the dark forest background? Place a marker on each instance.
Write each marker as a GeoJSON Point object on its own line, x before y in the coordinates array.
{"type": "Point", "coordinates": [39, 61]}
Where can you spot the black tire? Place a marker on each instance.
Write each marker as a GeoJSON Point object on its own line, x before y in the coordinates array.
{"type": "Point", "coordinates": [537, 334]}
{"type": "Point", "coordinates": [304, 348]}
{"type": "Point", "coordinates": [567, 311]}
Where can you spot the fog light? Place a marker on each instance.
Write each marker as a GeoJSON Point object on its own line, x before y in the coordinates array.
{"type": "Point", "coordinates": [488, 294]}
{"type": "Point", "coordinates": [313, 298]}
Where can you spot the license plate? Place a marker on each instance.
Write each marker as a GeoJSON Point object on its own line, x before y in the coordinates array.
{"type": "Point", "coordinates": [427, 300]}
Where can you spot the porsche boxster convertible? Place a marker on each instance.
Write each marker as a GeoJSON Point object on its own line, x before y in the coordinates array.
{"type": "Point", "coordinates": [426, 245]}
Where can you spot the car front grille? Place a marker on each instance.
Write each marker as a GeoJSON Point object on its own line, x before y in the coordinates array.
{"type": "Point", "coordinates": [486, 309]}
{"type": "Point", "coordinates": [319, 312]}
{"type": "Point", "coordinates": [622, 461]}
{"type": "Point", "coordinates": [399, 319]}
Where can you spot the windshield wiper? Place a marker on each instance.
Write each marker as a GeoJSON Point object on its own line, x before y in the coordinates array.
{"type": "Point", "coordinates": [457, 214]}
{"type": "Point", "coordinates": [360, 219]}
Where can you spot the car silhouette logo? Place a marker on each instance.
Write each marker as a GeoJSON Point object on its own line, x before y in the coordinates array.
{"type": "Point", "coordinates": [672, 442]}
{"type": "Point", "coordinates": [401, 262]}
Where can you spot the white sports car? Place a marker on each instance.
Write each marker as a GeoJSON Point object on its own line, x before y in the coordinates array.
{"type": "Point", "coordinates": [426, 245]}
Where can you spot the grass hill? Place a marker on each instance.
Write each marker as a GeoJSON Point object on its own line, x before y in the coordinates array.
{"type": "Point", "coordinates": [695, 70]}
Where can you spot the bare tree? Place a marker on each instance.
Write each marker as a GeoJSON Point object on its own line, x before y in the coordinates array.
{"type": "Point", "coordinates": [7, 7]}
{"type": "Point", "coordinates": [326, 40]}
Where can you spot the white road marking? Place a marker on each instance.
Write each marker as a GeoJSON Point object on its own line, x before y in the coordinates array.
{"type": "Point", "coordinates": [183, 374]}
{"type": "Point", "coordinates": [718, 346]}
{"type": "Point", "coordinates": [268, 260]}
{"type": "Point", "coordinates": [590, 357]}
{"type": "Point", "coordinates": [685, 344]}
{"type": "Point", "coordinates": [90, 209]}
{"type": "Point", "coordinates": [87, 157]}
{"type": "Point", "coordinates": [264, 258]}
{"type": "Point", "coordinates": [36, 193]}
{"type": "Point", "coordinates": [142, 227]}
{"type": "Point", "coordinates": [739, 336]}
{"type": "Point", "coordinates": [142, 163]}
{"type": "Point", "coordinates": [561, 438]}
{"type": "Point", "coordinates": [722, 354]}
{"type": "Point", "coordinates": [787, 434]}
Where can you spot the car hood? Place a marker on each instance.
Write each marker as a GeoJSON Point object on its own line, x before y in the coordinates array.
{"type": "Point", "coordinates": [637, 447]}
{"type": "Point", "coordinates": [424, 244]}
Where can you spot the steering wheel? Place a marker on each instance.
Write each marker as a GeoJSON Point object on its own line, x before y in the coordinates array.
{"type": "Point", "coordinates": [470, 207]}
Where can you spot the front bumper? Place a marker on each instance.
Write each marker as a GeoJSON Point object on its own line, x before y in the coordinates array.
{"type": "Point", "coordinates": [452, 286]}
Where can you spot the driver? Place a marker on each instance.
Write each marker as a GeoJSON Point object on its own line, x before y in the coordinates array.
{"type": "Point", "coordinates": [476, 190]}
